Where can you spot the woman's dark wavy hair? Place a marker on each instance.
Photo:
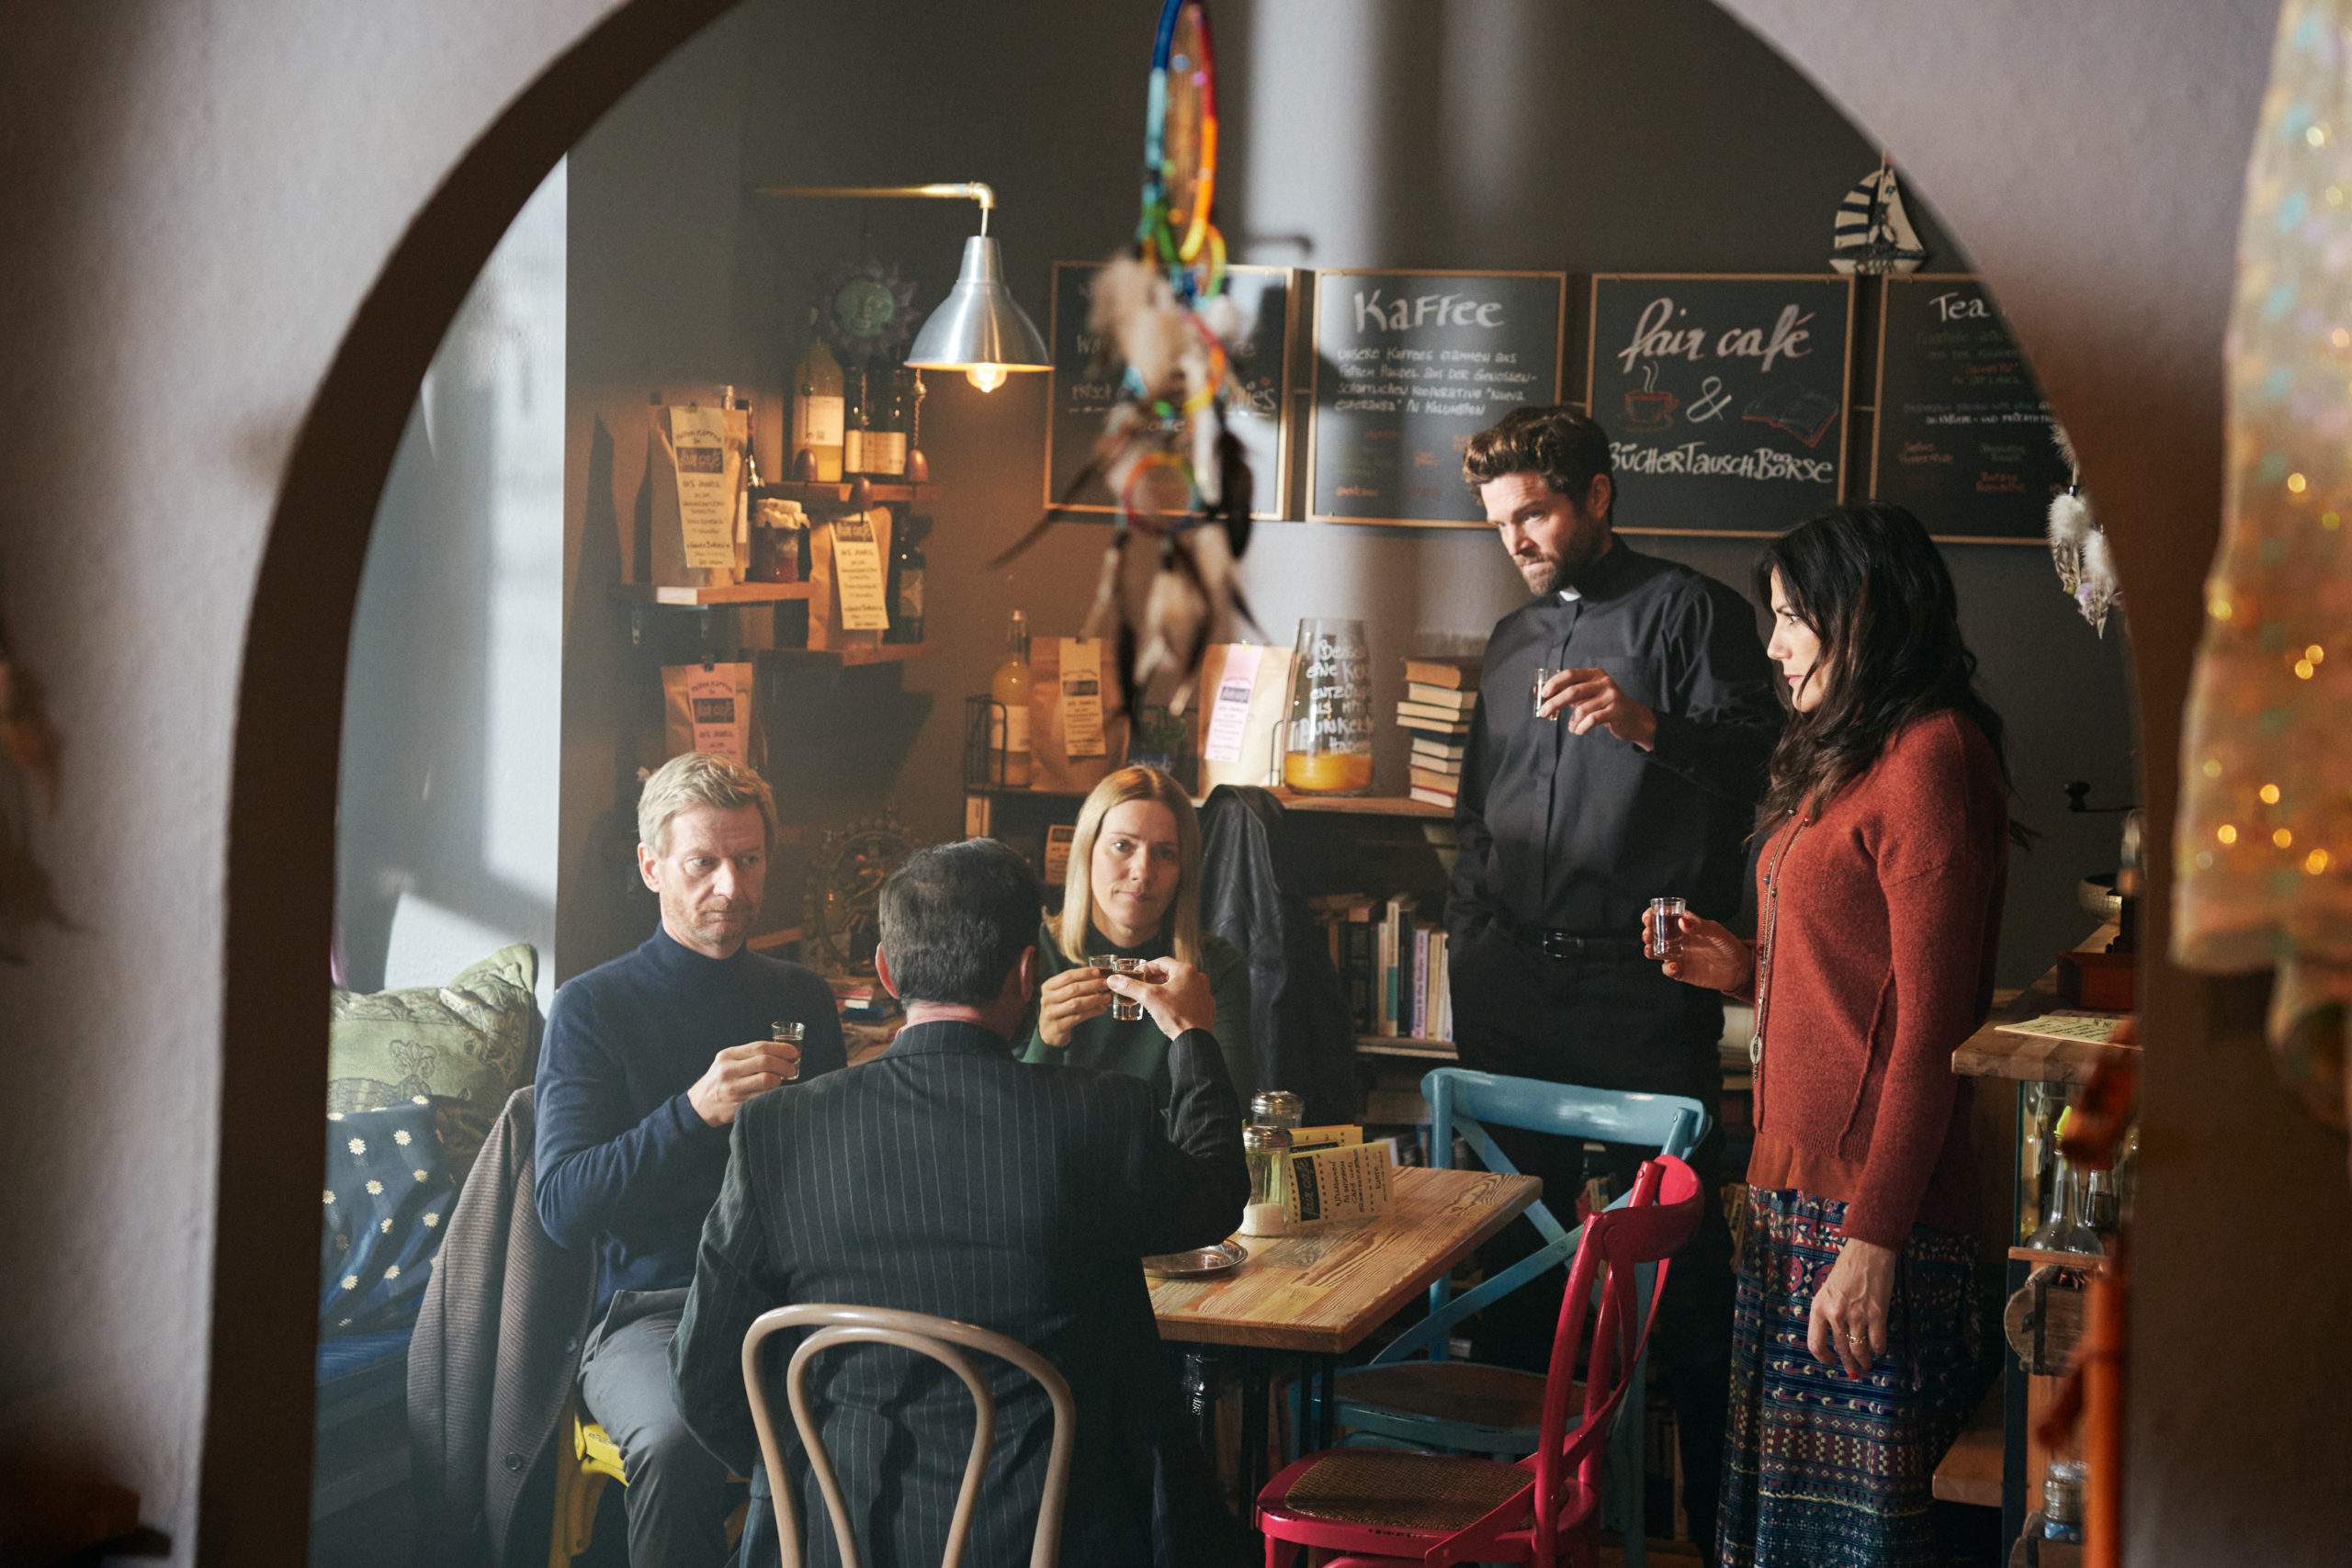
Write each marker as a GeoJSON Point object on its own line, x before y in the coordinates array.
{"type": "Point", "coordinates": [1874, 589]}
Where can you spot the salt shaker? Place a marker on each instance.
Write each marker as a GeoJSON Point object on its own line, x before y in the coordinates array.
{"type": "Point", "coordinates": [1267, 1152]}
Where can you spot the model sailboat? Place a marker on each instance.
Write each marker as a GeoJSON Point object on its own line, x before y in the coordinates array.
{"type": "Point", "coordinates": [1872, 233]}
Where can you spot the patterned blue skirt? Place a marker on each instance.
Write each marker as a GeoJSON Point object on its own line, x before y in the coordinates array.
{"type": "Point", "coordinates": [1821, 1471]}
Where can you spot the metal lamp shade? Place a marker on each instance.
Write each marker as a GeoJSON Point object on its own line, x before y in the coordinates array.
{"type": "Point", "coordinates": [980, 323]}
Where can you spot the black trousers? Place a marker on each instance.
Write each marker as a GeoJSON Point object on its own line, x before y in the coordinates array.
{"type": "Point", "coordinates": [1617, 1026]}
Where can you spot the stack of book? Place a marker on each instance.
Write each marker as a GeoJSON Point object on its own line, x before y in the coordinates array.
{"type": "Point", "coordinates": [1439, 695]}
{"type": "Point", "coordinates": [1393, 964]}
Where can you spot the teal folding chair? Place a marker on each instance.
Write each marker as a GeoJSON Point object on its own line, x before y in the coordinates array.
{"type": "Point", "coordinates": [1410, 1392]}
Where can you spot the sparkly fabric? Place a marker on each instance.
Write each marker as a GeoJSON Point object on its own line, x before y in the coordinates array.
{"type": "Point", "coordinates": [2264, 845]}
{"type": "Point", "coordinates": [1820, 1472]}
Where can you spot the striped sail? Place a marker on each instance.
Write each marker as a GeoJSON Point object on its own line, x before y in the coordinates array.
{"type": "Point", "coordinates": [1872, 235]}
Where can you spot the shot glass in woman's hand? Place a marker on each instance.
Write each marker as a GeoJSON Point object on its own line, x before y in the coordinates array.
{"type": "Point", "coordinates": [1069, 999]}
{"type": "Point", "coordinates": [1705, 953]}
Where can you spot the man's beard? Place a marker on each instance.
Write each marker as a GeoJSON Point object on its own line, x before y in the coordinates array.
{"type": "Point", "coordinates": [1548, 574]}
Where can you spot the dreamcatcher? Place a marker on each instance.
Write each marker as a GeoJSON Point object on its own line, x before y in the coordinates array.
{"type": "Point", "coordinates": [1167, 452]}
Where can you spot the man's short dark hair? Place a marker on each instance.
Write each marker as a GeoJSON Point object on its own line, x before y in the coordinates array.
{"type": "Point", "coordinates": [954, 918]}
{"type": "Point", "coordinates": [1563, 446]}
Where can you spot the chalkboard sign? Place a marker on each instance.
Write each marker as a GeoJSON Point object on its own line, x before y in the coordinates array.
{"type": "Point", "coordinates": [1964, 438]}
{"type": "Point", "coordinates": [1077, 397]}
{"type": "Point", "coordinates": [1409, 367]}
{"type": "Point", "coordinates": [1724, 398]}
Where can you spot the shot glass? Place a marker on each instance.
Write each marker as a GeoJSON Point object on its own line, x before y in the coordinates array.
{"type": "Point", "coordinates": [1664, 938]}
{"type": "Point", "coordinates": [1544, 673]}
{"type": "Point", "coordinates": [1123, 1009]}
{"type": "Point", "coordinates": [784, 1031]}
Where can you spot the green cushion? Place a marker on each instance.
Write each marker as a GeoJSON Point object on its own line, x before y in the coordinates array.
{"type": "Point", "coordinates": [465, 1046]}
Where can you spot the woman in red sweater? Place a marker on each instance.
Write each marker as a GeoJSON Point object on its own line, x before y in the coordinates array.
{"type": "Point", "coordinates": [1879, 911]}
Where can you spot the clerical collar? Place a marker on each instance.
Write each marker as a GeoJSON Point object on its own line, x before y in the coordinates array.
{"type": "Point", "coordinates": [1597, 575]}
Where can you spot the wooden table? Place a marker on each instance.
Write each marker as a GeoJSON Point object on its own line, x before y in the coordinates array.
{"type": "Point", "coordinates": [1319, 1290]}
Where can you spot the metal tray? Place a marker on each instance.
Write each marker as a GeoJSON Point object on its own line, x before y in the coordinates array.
{"type": "Point", "coordinates": [1199, 1263]}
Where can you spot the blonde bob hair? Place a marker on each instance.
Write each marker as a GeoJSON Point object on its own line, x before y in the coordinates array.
{"type": "Point", "coordinates": [699, 778]}
{"type": "Point", "coordinates": [1078, 886]}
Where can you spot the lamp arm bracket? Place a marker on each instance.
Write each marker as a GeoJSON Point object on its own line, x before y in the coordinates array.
{"type": "Point", "coordinates": [968, 190]}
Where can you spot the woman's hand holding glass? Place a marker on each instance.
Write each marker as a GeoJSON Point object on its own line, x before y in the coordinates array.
{"type": "Point", "coordinates": [1069, 999]}
{"type": "Point", "coordinates": [1709, 956]}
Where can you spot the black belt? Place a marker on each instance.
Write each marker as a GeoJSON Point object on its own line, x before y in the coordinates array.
{"type": "Point", "coordinates": [1572, 947]}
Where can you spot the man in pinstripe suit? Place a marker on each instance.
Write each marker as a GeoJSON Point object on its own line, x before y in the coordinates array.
{"type": "Point", "coordinates": [947, 1178]}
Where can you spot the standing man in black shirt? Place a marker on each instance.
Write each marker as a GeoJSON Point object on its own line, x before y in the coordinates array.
{"type": "Point", "coordinates": [1632, 773]}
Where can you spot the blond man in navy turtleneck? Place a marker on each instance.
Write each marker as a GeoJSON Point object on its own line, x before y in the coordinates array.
{"type": "Point", "coordinates": [646, 1063]}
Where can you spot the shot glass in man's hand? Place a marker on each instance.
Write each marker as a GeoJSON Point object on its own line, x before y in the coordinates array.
{"type": "Point", "coordinates": [1176, 995]}
{"type": "Point", "coordinates": [742, 1073]}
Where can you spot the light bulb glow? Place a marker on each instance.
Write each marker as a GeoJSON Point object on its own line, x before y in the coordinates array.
{"type": "Point", "coordinates": [987, 377]}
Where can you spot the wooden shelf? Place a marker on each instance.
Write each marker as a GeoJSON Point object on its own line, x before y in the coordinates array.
{"type": "Point", "coordinates": [722, 594]}
{"type": "Point", "coordinates": [875, 653]}
{"type": "Point", "coordinates": [804, 490]}
{"type": "Point", "coordinates": [1364, 804]}
{"type": "Point", "coordinates": [1970, 1471]}
{"type": "Point", "coordinates": [1345, 804]}
{"type": "Point", "coordinates": [2037, 1257]}
{"type": "Point", "coordinates": [784, 938]}
{"type": "Point", "coordinates": [1404, 1045]}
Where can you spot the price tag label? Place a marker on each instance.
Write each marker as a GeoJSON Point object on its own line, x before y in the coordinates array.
{"type": "Point", "coordinates": [705, 501]}
{"type": "Point", "coordinates": [857, 570]}
{"type": "Point", "coordinates": [1081, 696]}
{"type": "Point", "coordinates": [1229, 713]}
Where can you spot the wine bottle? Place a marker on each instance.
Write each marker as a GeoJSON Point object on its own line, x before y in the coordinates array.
{"type": "Point", "coordinates": [1008, 730]}
{"type": "Point", "coordinates": [885, 426]}
{"type": "Point", "coordinates": [817, 410]}
{"type": "Point", "coordinates": [906, 581]}
{"type": "Point", "coordinates": [856, 406]}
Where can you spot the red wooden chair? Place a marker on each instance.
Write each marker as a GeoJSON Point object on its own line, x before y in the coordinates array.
{"type": "Point", "coordinates": [1387, 1506]}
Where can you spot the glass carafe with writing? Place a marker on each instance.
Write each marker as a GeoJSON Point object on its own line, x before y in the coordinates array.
{"type": "Point", "coordinates": [1327, 747]}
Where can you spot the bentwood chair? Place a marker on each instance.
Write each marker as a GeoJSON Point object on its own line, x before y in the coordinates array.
{"type": "Point", "coordinates": [1393, 1505]}
{"type": "Point", "coordinates": [1410, 1392]}
{"type": "Point", "coordinates": [936, 1338]}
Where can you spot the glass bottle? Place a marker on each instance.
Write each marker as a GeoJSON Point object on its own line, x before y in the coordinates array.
{"type": "Point", "coordinates": [2067, 1225]}
{"type": "Point", "coordinates": [817, 410]}
{"type": "Point", "coordinates": [853, 413]}
{"type": "Point", "coordinates": [884, 448]}
{"type": "Point", "coordinates": [906, 581]}
{"type": "Point", "coordinates": [1266, 1151]}
{"type": "Point", "coordinates": [1328, 750]}
{"type": "Point", "coordinates": [1009, 728]}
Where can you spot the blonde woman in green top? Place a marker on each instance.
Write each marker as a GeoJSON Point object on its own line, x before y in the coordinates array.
{"type": "Point", "coordinates": [1133, 889]}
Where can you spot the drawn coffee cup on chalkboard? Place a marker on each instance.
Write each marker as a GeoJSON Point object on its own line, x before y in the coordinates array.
{"type": "Point", "coordinates": [1650, 408]}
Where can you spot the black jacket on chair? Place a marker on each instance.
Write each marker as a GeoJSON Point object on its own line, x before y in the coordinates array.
{"type": "Point", "coordinates": [1299, 1014]}
{"type": "Point", "coordinates": [944, 1177]}
{"type": "Point", "coordinates": [497, 1345]}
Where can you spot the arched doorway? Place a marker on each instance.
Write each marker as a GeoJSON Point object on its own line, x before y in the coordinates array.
{"type": "Point", "coordinates": [2121, 292]}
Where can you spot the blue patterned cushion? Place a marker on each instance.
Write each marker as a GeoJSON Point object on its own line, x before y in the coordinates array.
{"type": "Point", "coordinates": [387, 1196]}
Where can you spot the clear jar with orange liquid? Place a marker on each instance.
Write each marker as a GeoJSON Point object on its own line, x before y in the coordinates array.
{"type": "Point", "coordinates": [1328, 747]}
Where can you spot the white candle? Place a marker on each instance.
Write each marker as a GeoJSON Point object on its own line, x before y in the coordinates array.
{"type": "Point", "coordinates": [1262, 1219]}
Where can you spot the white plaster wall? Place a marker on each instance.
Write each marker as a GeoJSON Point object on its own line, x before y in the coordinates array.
{"type": "Point", "coordinates": [200, 196]}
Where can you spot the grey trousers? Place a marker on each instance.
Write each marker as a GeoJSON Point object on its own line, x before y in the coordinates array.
{"type": "Point", "coordinates": [678, 1489]}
